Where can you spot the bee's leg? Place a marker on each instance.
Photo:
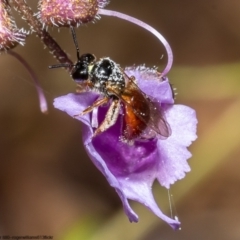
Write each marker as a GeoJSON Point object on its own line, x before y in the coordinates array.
{"type": "Point", "coordinates": [81, 87]}
{"type": "Point", "coordinates": [84, 86]}
{"type": "Point", "coordinates": [133, 79]}
{"type": "Point", "coordinates": [97, 103]}
{"type": "Point", "coordinates": [110, 118]}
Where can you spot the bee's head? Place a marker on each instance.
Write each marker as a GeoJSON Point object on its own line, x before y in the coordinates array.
{"type": "Point", "coordinates": [80, 69]}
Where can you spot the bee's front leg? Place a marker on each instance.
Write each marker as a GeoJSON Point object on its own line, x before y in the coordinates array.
{"type": "Point", "coordinates": [110, 118]}
{"type": "Point", "coordinates": [97, 103]}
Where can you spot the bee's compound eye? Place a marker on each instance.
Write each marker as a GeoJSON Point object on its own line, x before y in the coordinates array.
{"type": "Point", "coordinates": [80, 72]}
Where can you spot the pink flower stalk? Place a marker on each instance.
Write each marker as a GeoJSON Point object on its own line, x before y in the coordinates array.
{"type": "Point", "coordinates": [69, 12]}
{"type": "Point", "coordinates": [10, 35]}
{"type": "Point", "coordinates": [146, 27]}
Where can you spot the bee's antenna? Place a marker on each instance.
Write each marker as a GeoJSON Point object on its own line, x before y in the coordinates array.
{"type": "Point", "coordinates": [75, 41]}
{"type": "Point", "coordinates": [60, 65]}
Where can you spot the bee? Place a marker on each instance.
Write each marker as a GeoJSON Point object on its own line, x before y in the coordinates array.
{"type": "Point", "coordinates": [142, 118]}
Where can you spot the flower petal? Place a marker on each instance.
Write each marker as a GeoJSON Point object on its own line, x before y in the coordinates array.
{"type": "Point", "coordinates": [131, 170]}
{"type": "Point", "coordinates": [173, 152]}
{"type": "Point", "coordinates": [149, 82]}
{"type": "Point", "coordinates": [138, 189]}
{"type": "Point", "coordinates": [113, 181]}
{"type": "Point", "coordinates": [74, 104]}
{"type": "Point", "coordinates": [131, 180]}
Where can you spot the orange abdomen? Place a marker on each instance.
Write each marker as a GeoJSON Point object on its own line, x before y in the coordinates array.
{"type": "Point", "coordinates": [137, 114]}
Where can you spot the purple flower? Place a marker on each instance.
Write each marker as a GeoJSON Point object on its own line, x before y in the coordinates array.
{"type": "Point", "coordinates": [69, 12]}
{"type": "Point", "coordinates": [10, 35]}
{"type": "Point", "coordinates": [132, 169]}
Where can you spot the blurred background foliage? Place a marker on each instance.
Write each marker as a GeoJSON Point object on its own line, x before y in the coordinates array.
{"type": "Point", "coordinates": [48, 185]}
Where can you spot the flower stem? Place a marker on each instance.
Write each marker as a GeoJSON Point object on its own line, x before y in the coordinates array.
{"type": "Point", "coordinates": [36, 26]}
{"type": "Point", "coordinates": [41, 97]}
{"type": "Point", "coordinates": [147, 27]}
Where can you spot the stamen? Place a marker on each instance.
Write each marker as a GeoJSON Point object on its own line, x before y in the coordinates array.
{"type": "Point", "coordinates": [95, 118]}
{"type": "Point", "coordinates": [148, 28]}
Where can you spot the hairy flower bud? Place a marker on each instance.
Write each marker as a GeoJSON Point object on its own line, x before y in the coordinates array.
{"type": "Point", "coordinates": [69, 12]}
{"type": "Point", "coordinates": [10, 35]}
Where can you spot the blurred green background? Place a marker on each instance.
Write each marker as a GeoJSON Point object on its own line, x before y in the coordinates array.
{"type": "Point", "coordinates": [48, 185]}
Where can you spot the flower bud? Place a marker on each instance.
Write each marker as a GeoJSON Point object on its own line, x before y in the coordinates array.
{"type": "Point", "coordinates": [10, 35]}
{"type": "Point", "coordinates": [69, 12]}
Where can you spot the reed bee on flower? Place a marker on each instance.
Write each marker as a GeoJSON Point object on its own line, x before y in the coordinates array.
{"type": "Point", "coordinates": [142, 118]}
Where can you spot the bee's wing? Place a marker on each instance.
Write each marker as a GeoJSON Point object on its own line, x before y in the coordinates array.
{"type": "Point", "coordinates": [156, 122]}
